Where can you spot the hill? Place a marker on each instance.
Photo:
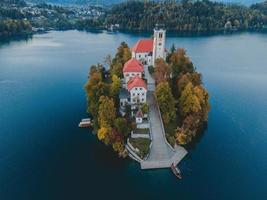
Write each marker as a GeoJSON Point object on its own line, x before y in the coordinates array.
{"type": "Point", "coordinates": [77, 2]}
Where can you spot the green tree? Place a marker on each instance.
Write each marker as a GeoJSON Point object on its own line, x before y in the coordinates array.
{"type": "Point", "coordinates": [145, 108]}
{"type": "Point", "coordinates": [166, 102]}
{"type": "Point", "coordinates": [180, 63]}
{"type": "Point", "coordinates": [122, 126]}
{"type": "Point", "coordinates": [122, 56]}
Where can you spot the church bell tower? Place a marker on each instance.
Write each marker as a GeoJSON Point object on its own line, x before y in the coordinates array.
{"type": "Point", "coordinates": [159, 43]}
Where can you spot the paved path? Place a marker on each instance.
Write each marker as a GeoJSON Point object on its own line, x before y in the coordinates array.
{"type": "Point", "coordinates": [161, 155]}
{"type": "Point", "coordinates": [150, 80]}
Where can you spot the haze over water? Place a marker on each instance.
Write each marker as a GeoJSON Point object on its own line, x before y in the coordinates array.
{"type": "Point", "coordinates": [44, 155]}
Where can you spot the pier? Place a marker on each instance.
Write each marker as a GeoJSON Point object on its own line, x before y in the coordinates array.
{"type": "Point", "coordinates": [85, 123]}
{"type": "Point", "coordinates": [161, 155]}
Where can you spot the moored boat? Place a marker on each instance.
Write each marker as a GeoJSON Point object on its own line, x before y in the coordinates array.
{"type": "Point", "coordinates": [176, 171]}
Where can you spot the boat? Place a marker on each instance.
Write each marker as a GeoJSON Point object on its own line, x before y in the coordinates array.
{"type": "Point", "coordinates": [85, 123]}
{"type": "Point", "coordinates": [176, 171]}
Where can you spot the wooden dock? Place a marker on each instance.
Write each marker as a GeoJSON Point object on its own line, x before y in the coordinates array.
{"type": "Point", "coordinates": [85, 123]}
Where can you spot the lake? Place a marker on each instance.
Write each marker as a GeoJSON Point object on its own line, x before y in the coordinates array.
{"type": "Point", "coordinates": [44, 155]}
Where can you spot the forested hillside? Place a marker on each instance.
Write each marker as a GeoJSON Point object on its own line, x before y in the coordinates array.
{"type": "Point", "coordinates": [187, 16]}
{"type": "Point", "coordinates": [78, 2]}
{"type": "Point", "coordinates": [12, 21]}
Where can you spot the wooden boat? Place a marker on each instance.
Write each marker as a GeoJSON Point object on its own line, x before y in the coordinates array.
{"type": "Point", "coordinates": [176, 171]}
{"type": "Point", "coordinates": [85, 123]}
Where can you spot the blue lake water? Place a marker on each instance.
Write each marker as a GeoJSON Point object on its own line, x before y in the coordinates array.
{"type": "Point", "coordinates": [44, 155]}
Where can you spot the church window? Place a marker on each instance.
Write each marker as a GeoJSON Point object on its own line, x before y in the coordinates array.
{"type": "Point", "coordinates": [160, 35]}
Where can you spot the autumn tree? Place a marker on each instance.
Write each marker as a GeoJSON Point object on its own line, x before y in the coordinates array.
{"type": "Point", "coordinates": [203, 97]}
{"type": "Point", "coordinates": [95, 87]}
{"type": "Point", "coordinates": [106, 111]}
{"type": "Point", "coordinates": [103, 134]}
{"type": "Point", "coordinates": [115, 86]}
{"type": "Point", "coordinates": [122, 126]}
{"type": "Point", "coordinates": [162, 71]}
{"type": "Point", "coordinates": [180, 63]}
{"type": "Point", "coordinates": [166, 102]}
{"type": "Point", "coordinates": [189, 101]}
{"type": "Point", "coordinates": [122, 56]}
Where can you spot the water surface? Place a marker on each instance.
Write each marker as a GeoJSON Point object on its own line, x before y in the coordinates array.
{"type": "Point", "coordinates": [43, 155]}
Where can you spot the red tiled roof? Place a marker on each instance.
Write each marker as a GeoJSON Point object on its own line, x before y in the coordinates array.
{"type": "Point", "coordinates": [133, 65]}
{"type": "Point", "coordinates": [136, 82]}
{"type": "Point", "coordinates": [139, 114]}
{"type": "Point", "coordinates": [144, 45]}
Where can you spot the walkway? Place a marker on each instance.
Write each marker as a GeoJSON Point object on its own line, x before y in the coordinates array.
{"type": "Point", "coordinates": [161, 154]}
{"type": "Point", "coordinates": [150, 80]}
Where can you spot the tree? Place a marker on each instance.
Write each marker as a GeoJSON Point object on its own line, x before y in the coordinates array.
{"type": "Point", "coordinates": [95, 87]}
{"type": "Point", "coordinates": [122, 126]}
{"type": "Point", "coordinates": [166, 102]}
{"type": "Point", "coordinates": [145, 108]}
{"type": "Point", "coordinates": [203, 97]}
{"type": "Point", "coordinates": [182, 136]}
{"type": "Point", "coordinates": [180, 63]}
{"type": "Point", "coordinates": [115, 86]}
{"type": "Point", "coordinates": [162, 71]}
{"type": "Point", "coordinates": [189, 101]}
{"type": "Point", "coordinates": [172, 50]}
{"type": "Point", "coordinates": [122, 56]}
{"type": "Point", "coordinates": [103, 134]}
{"type": "Point", "coordinates": [118, 146]}
{"type": "Point", "coordinates": [108, 60]}
{"type": "Point", "coordinates": [106, 111]}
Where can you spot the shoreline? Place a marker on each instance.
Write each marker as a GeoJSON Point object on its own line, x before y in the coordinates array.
{"type": "Point", "coordinates": [141, 33]}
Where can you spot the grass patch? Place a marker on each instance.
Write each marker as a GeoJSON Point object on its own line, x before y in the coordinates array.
{"type": "Point", "coordinates": [141, 131]}
{"type": "Point", "coordinates": [142, 144]}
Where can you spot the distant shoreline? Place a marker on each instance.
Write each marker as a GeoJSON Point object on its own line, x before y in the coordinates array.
{"type": "Point", "coordinates": [170, 34]}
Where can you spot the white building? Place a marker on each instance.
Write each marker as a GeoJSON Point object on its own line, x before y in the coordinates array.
{"type": "Point", "coordinates": [132, 68]}
{"type": "Point", "coordinates": [148, 50]}
{"type": "Point", "coordinates": [138, 89]}
{"type": "Point", "coordinates": [159, 50]}
{"type": "Point", "coordinates": [143, 51]}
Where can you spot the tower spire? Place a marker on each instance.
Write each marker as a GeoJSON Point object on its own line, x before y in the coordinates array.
{"type": "Point", "coordinates": [159, 42]}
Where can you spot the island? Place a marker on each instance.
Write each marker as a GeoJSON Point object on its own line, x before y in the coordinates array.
{"type": "Point", "coordinates": [150, 102]}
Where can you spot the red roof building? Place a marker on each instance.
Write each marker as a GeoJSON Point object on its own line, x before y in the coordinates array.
{"type": "Point", "coordinates": [143, 45]}
{"type": "Point", "coordinates": [136, 82]}
{"type": "Point", "coordinates": [133, 65]}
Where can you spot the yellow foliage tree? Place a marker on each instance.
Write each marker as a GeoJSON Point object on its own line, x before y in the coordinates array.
{"type": "Point", "coordinates": [189, 101]}
{"type": "Point", "coordinates": [166, 102]}
{"type": "Point", "coordinates": [115, 86]}
{"type": "Point", "coordinates": [106, 111]}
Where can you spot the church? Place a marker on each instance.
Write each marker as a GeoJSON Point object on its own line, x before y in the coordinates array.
{"type": "Point", "coordinates": [148, 50]}
{"type": "Point", "coordinates": [135, 71]}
